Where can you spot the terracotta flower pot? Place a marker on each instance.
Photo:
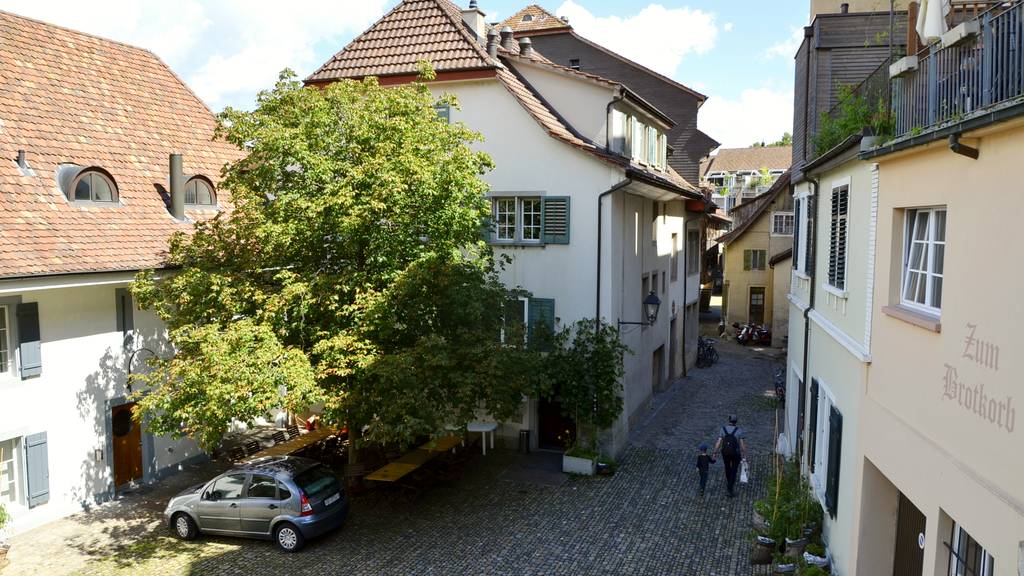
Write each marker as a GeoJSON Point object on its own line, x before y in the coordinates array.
{"type": "Point", "coordinates": [762, 551]}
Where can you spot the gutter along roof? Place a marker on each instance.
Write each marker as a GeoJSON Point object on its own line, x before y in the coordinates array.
{"type": "Point", "coordinates": [74, 98]}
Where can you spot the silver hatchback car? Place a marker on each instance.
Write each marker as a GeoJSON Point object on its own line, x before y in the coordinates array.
{"type": "Point", "coordinates": [284, 498]}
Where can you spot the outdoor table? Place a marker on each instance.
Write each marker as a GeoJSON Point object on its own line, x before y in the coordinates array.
{"type": "Point", "coordinates": [392, 472]}
{"type": "Point", "coordinates": [483, 428]}
{"type": "Point", "coordinates": [442, 444]}
{"type": "Point", "coordinates": [298, 443]}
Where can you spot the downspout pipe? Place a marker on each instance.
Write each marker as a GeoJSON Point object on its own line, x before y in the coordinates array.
{"type": "Point", "coordinates": [810, 300]}
{"type": "Point", "coordinates": [600, 197]}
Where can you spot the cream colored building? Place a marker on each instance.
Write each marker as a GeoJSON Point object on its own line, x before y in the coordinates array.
{"type": "Point", "coordinates": [753, 257]}
{"type": "Point", "coordinates": [830, 303]}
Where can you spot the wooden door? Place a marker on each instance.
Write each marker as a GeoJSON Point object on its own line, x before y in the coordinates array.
{"type": "Point", "coordinates": [756, 308]}
{"type": "Point", "coordinates": [127, 436]}
{"type": "Point", "coordinates": [910, 524]}
{"type": "Point", "coordinates": [554, 430]}
{"type": "Point", "coordinates": [673, 347]}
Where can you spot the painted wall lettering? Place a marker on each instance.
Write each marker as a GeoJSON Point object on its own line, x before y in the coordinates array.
{"type": "Point", "coordinates": [998, 411]}
{"type": "Point", "coordinates": [983, 353]}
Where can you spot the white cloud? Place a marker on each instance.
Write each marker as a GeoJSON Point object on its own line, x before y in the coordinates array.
{"type": "Point", "coordinates": [788, 47]}
{"type": "Point", "coordinates": [656, 37]}
{"type": "Point", "coordinates": [727, 27]}
{"type": "Point", "coordinates": [226, 50]}
{"type": "Point", "coordinates": [759, 114]}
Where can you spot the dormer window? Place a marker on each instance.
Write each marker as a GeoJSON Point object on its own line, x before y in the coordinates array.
{"type": "Point", "coordinates": [528, 18]}
{"type": "Point", "coordinates": [199, 192]}
{"type": "Point", "coordinates": [92, 184]}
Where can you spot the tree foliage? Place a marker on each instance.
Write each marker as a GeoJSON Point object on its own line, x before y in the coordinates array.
{"type": "Point", "coordinates": [584, 373]}
{"type": "Point", "coordinates": [350, 271]}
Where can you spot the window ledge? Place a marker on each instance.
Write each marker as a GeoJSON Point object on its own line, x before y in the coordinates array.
{"type": "Point", "coordinates": [838, 293]}
{"type": "Point", "coordinates": [911, 316]}
{"type": "Point", "coordinates": [516, 244]}
{"type": "Point", "coordinates": [801, 275]}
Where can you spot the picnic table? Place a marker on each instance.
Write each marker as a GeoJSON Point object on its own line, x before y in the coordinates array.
{"type": "Point", "coordinates": [413, 459]}
{"type": "Point", "coordinates": [297, 443]}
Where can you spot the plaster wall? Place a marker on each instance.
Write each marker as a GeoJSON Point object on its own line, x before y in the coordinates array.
{"type": "Point", "coordinates": [582, 103]}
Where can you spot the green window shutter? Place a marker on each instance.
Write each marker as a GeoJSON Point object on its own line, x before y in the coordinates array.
{"type": "Point", "coordinates": [747, 256]}
{"type": "Point", "coordinates": [835, 445]}
{"type": "Point", "coordinates": [29, 341]}
{"type": "Point", "coordinates": [541, 322]}
{"type": "Point", "coordinates": [554, 214]}
{"type": "Point", "coordinates": [444, 113]}
{"type": "Point", "coordinates": [37, 463]}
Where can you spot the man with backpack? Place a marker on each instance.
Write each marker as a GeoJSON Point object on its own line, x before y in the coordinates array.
{"type": "Point", "coordinates": [733, 450]}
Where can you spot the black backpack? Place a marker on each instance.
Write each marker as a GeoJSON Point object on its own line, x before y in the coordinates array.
{"type": "Point", "coordinates": [730, 444]}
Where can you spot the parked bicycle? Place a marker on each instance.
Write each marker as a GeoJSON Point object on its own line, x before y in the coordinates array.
{"type": "Point", "coordinates": [780, 385]}
{"type": "Point", "coordinates": [706, 353]}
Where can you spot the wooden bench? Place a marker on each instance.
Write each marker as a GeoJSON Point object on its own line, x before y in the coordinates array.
{"type": "Point", "coordinates": [414, 459]}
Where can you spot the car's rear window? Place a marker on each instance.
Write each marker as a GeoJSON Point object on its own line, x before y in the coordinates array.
{"type": "Point", "coordinates": [318, 481]}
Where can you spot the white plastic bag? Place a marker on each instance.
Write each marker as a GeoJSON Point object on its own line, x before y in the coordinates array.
{"type": "Point", "coordinates": [744, 472]}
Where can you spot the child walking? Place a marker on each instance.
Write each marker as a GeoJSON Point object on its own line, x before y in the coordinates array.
{"type": "Point", "coordinates": [703, 462]}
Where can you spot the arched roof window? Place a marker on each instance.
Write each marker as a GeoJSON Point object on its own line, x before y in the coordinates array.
{"type": "Point", "coordinates": [87, 184]}
{"type": "Point", "coordinates": [199, 192]}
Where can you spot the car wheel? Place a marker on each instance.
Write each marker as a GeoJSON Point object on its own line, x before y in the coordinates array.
{"type": "Point", "coordinates": [184, 526]}
{"type": "Point", "coordinates": [288, 537]}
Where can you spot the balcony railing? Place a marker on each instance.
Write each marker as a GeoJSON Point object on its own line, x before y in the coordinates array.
{"type": "Point", "coordinates": [978, 65]}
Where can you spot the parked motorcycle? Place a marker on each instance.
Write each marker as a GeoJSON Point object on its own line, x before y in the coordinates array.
{"type": "Point", "coordinates": [755, 333]}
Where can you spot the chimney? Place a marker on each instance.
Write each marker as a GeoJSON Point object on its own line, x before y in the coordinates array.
{"type": "Point", "coordinates": [474, 18]}
{"type": "Point", "coordinates": [21, 160]}
{"type": "Point", "coordinates": [525, 48]}
{"type": "Point", "coordinates": [844, 8]}
{"type": "Point", "coordinates": [177, 188]}
{"type": "Point", "coordinates": [506, 38]}
{"type": "Point", "coordinates": [492, 42]}
{"type": "Point", "coordinates": [565, 19]}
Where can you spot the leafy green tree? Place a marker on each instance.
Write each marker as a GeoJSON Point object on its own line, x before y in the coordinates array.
{"type": "Point", "coordinates": [584, 373]}
{"type": "Point", "coordinates": [350, 271]}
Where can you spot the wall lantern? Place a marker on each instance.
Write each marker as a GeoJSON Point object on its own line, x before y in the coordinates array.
{"type": "Point", "coordinates": [651, 305]}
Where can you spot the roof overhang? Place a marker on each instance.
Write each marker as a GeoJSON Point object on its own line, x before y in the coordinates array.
{"type": "Point", "coordinates": [660, 189]}
{"type": "Point", "coordinates": [408, 78]}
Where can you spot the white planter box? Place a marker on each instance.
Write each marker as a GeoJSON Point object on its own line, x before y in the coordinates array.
{"type": "Point", "coordinates": [963, 31]}
{"type": "Point", "coordinates": [574, 465]}
{"type": "Point", "coordinates": [903, 66]}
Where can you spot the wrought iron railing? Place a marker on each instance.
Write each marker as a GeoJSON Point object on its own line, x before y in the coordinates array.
{"type": "Point", "coordinates": [982, 69]}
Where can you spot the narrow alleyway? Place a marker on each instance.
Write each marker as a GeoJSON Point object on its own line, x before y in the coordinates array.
{"type": "Point", "coordinates": [647, 519]}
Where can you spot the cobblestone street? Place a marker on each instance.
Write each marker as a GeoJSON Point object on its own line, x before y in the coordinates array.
{"type": "Point", "coordinates": [647, 519]}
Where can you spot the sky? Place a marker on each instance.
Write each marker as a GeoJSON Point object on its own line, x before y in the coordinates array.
{"type": "Point", "coordinates": [739, 53]}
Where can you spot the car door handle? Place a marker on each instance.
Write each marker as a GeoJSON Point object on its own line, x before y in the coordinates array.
{"type": "Point", "coordinates": [233, 505]}
{"type": "Point", "coordinates": [272, 506]}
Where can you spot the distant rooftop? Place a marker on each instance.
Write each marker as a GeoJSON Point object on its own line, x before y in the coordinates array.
{"type": "Point", "coordinates": [755, 158]}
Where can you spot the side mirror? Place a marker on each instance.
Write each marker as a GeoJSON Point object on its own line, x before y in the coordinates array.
{"type": "Point", "coordinates": [211, 496]}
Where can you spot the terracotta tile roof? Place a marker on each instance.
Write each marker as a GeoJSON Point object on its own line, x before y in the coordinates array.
{"type": "Point", "coordinates": [733, 159]}
{"type": "Point", "coordinates": [415, 30]}
{"type": "Point", "coordinates": [69, 97]}
{"type": "Point", "coordinates": [533, 18]}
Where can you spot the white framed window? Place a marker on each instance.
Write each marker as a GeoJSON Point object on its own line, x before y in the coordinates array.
{"type": "Point", "coordinates": [924, 253]}
{"type": "Point", "coordinates": [620, 128]}
{"type": "Point", "coordinates": [782, 223]}
{"type": "Point", "coordinates": [531, 213]}
{"type": "Point", "coordinates": [838, 235]}
{"type": "Point", "coordinates": [652, 145]}
{"type": "Point", "coordinates": [966, 556]}
{"type": "Point", "coordinates": [662, 151]}
{"type": "Point", "coordinates": [505, 219]}
{"type": "Point", "coordinates": [803, 241]}
{"type": "Point", "coordinates": [9, 471]}
{"type": "Point", "coordinates": [5, 341]}
{"type": "Point", "coordinates": [637, 146]}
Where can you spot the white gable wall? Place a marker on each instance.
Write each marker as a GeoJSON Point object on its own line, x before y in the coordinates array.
{"type": "Point", "coordinates": [582, 103]}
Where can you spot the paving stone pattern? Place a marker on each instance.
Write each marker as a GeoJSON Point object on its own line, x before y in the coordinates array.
{"type": "Point", "coordinates": [647, 519]}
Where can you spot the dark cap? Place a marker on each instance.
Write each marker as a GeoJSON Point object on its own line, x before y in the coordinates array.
{"type": "Point", "coordinates": [703, 447]}
{"type": "Point", "coordinates": [733, 419]}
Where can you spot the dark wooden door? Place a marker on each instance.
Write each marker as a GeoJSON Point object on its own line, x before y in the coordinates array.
{"type": "Point", "coordinates": [910, 523]}
{"type": "Point", "coordinates": [127, 444]}
{"type": "Point", "coordinates": [673, 348]}
{"type": "Point", "coordinates": [554, 431]}
{"type": "Point", "coordinates": [657, 369]}
{"type": "Point", "coordinates": [756, 309]}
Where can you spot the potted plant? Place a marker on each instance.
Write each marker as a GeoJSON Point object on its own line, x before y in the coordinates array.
{"type": "Point", "coordinates": [816, 556]}
{"type": "Point", "coordinates": [579, 459]}
{"type": "Point", "coordinates": [784, 565]}
{"type": "Point", "coordinates": [605, 466]}
{"type": "Point", "coordinates": [763, 551]}
{"type": "Point", "coordinates": [762, 510]}
{"type": "Point", "coordinates": [813, 570]}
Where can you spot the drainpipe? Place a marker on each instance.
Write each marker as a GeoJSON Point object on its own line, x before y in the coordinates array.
{"type": "Point", "coordinates": [619, 186]}
{"type": "Point", "coordinates": [608, 121]}
{"type": "Point", "coordinates": [177, 191]}
{"type": "Point", "coordinates": [810, 303]}
{"type": "Point", "coordinates": [686, 275]}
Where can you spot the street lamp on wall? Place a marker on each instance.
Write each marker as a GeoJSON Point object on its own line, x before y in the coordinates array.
{"type": "Point", "coordinates": [651, 305]}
